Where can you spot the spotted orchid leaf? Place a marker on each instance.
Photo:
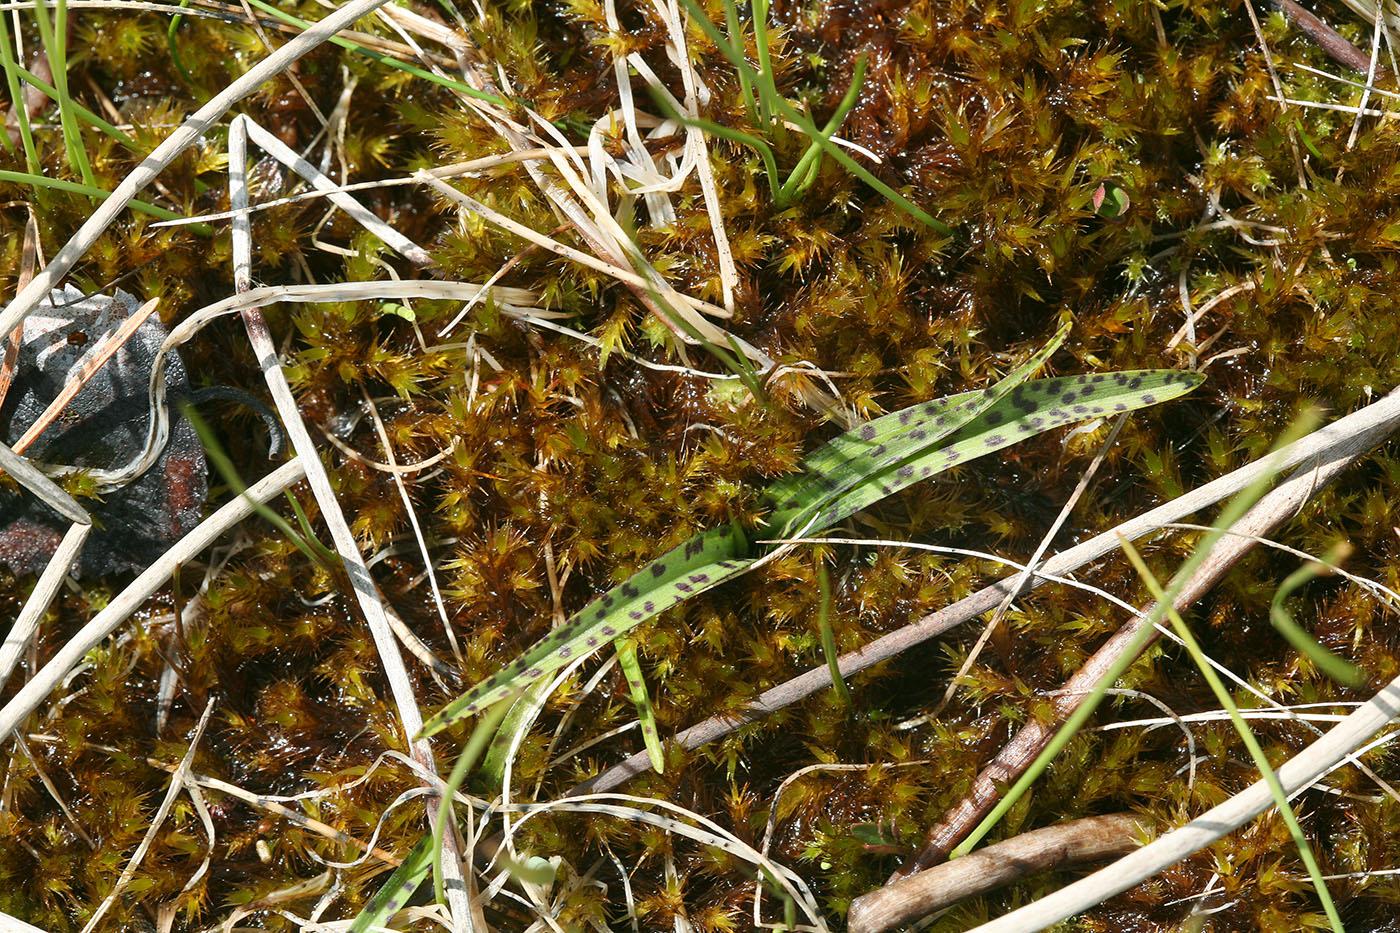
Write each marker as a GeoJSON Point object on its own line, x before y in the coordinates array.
{"type": "Point", "coordinates": [702, 562]}
{"type": "Point", "coordinates": [851, 459]}
{"type": "Point", "coordinates": [847, 474]}
{"type": "Point", "coordinates": [395, 893]}
{"type": "Point", "coordinates": [636, 685]}
{"type": "Point", "coordinates": [1029, 409]}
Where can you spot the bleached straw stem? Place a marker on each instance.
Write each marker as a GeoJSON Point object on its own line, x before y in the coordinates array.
{"type": "Point", "coordinates": [366, 593]}
{"type": "Point", "coordinates": [177, 142]}
{"type": "Point", "coordinates": [139, 590]}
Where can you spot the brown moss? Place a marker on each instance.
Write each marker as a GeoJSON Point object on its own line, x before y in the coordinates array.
{"type": "Point", "coordinates": [1001, 120]}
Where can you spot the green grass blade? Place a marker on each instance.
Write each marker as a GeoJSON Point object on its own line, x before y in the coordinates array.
{"type": "Point", "coordinates": [828, 635]}
{"type": "Point", "coordinates": [767, 85]}
{"type": "Point", "coordinates": [173, 47]}
{"type": "Point", "coordinates": [328, 558]}
{"type": "Point", "coordinates": [12, 69]}
{"type": "Point", "coordinates": [805, 172]}
{"type": "Point", "coordinates": [394, 895]}
{"type": "Point", "coordinates": [59, 184]}
{"type": "Point", "coordinates": [222, 465]}
{"type": "Point", "coordinates": [79, 111]}
{"type": "Point", "coordinates": [482, 737]}
{"type": "Point", "coordinates": [702, 562]}
{"type": "Point", "coordinates": [765, 152]}
{"type": "Point", "coordinates": [736, 47]}
{"type": "Point", "coordinates": [1256, 752]}
{"type": "Point", "coordinates": [805, 124]}
{"type": "Point", "coordinates": [637, 687]}
{"type": "Point", "coordinates": [1344, 672]}
{"type": "Point", "coordinates": [54, 36]}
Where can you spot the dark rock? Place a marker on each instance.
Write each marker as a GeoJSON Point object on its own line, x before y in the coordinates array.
{"type": "Point", "coordinates": [103, 427]}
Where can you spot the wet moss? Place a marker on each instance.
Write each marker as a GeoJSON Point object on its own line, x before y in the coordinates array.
{"type": "Point", "coordinates": [1001, 119]}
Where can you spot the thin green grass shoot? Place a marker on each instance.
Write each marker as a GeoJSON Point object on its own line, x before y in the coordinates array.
{"type": "Point", "coordinates": [828, 636]}
{"type": "Point", "coordinates": [757, 144]}
{"type": "Point", "coordinates": [314, 550]}
{"type": "Point", "coordinates": [43, 182]}
{"type": "Point", "coordinates": [426, 856]}
{"type": "Point", "coordinates": [54, 36]}
{"type": "Point", "coordinates": [1256, 752]}
{"type": "Point", "coordinates": [804, 174]}
{"type": "Point", "coordinates": [79, 111]}
{"type": "Point", "coordinates": [173, 47]}
{"type": "Point", "coordinates": [12, 83]}
{"type": "Point", "coordinates": [646, 715]}
{"type": "Point", "coordinates": [1344, 672]}
{"type": "Point", "coordinates": [804, 123]}
{"type": "Point", "coordinates": [765, 63]}
{"type": "Point", "coordinates": [1232, 513]}
{"type": "Point", "coordinates": [472, 752]}
{"type": "Point", "coordinates": [746, 81]}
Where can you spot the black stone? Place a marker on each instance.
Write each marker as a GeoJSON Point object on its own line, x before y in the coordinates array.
{"type": "Point", "coordinates": [103, 427]}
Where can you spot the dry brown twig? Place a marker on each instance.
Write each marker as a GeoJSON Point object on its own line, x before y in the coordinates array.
{"type": "Point", "coordinates": [1273, 509]}
{"type": "Point", "coordinates": [1074, 842]}
{"type": "Point", "coordinates": [1327, 38]}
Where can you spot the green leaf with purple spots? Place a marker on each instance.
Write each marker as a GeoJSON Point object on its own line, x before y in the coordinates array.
{"type": "Point", "coordinates": [637, 686]}
{"type": "Point", "coordinates": [847, 474]}
{"type": "Point", "coordinates": [852, 459]}
{"type": "Point", "coordinates": [702, 562]}
{"type": "Point", "coordinates": [1029, 409]}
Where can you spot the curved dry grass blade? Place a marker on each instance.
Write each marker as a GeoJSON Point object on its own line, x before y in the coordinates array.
{"type": "Point", "coordinates": [33, 479]}
{"type": "Point", "coordinates": [189, 132]}
{"type": "Point", "coordinates": [139, 590]}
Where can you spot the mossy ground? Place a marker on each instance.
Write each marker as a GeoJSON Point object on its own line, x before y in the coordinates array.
{"type": "Point", "coordinates": [1001, 119]}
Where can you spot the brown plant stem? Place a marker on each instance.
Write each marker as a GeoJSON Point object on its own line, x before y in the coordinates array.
{"type": "Point", "coordinates": [1074, 842]}
{"type": "Point", "coordinates": [1268, 513]}
{"type": "Point", "coordinates": [1345, 438]}
{"type": "Point", "coordinates": [1327, 38]}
